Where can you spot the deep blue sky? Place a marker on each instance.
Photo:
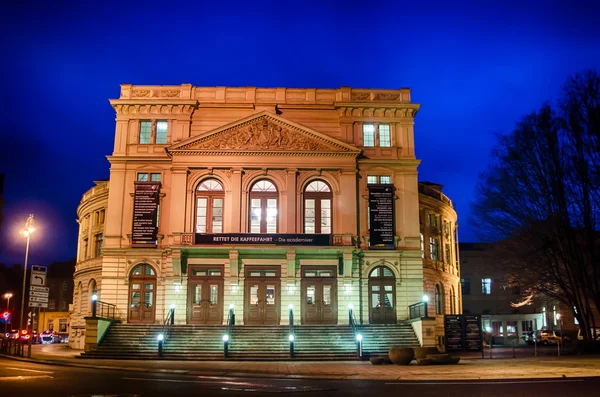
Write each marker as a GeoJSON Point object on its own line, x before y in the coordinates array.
{"type": "Point", "coordinates": [475, 69]}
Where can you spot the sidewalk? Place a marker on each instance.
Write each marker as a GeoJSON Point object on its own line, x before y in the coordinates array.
{"type": "Point", "coordinates": [467, 369]}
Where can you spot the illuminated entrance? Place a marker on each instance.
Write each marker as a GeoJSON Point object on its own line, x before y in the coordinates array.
{"type": "Point", "coordinates": [382, 296]}
{"type": "Point", "coordinates": [142, 296]}
{"type": "Point", "coordinates": [205, 295]}
{"type": "Point", "coordinates": [319, 295]}
{"type": "Point", "coordinates": [262, 296]}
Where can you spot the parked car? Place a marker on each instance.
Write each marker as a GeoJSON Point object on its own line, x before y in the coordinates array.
{"type": "Point", "coordinates": [547, 337]}
{"type": "Point", "coordinates": [580, 337]}
{"type": "Point", "coordinates": [48, 337]}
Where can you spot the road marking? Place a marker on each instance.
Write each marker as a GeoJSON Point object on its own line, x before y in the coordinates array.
{"type": "Point", "coordinates": [475, 382]}
{"type": "Point", "coordinates": [25, 377]}
{"type": "Point", "coordinates": [30, 370]}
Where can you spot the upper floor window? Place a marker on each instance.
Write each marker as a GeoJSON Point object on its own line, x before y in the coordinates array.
{"type": "Point", "coordinates": [146, 177]}
{"type": "Point", "coordinates": [447, 253]}
{"type": "Point", "coordinates": [161, 132]}
{"type": "Point", "coordinates": [99, 243]}
{"type": "Point", "coordinates": [145, 132]}
{"type": "Point", "coordinates": [486, 286]}
{"type": "Point", "coordinates": [317, 208]}
{"type": "Point", "coordinates": [380, 131]}
{"type": "Point", "coordinates": [439, 303]}
{"type": "Point", "coordinates": [148, 136]}
{"type": "Point", "coordinates": [64, 286]}
{"type": "Point", "coordinates": [465, 283]}
{"type": "Point", "coordinates": [368, 135]}
{"type": "Point", "coordinates": [434, 249]}
{"type": "Point", "coordinates": [422, 246]}
{"type": "Point", "coordinates": [264, 207]}
{"type": "Point", "coordinates": [375, 179]}
{"type": "Point", "coordinates": [385, 137]}
{"type": "Point", "coordinates": [209, 206]}
{"type": "Point", "coordinates": [433, 220]}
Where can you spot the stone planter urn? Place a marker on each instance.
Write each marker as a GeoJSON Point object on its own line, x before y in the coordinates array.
{"type": "Point", "coordinates": [376, 360]}
{"type": "Point", "coordinates": [401, 355]}
{"type": "Point", "coordinates": [422, 352]}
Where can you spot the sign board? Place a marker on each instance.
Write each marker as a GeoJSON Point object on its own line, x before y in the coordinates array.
{"type": "Point", "coordinates": [38, 299]}
{"type": "Point", "coordinates": [38, 275]}
{"type": "Point", "coordinates": [146, 199]}
{"type": "Point", "coordinates": [382, 229]}
{"type": "Point", "coordinates": [39, 289]}
{"type": "Point", "coordinates": [38, 293]}
{"type": "Point", "coordinates": [463, 332]}
{"type": "Point", "coordinates": [276, 239]}
{"type": "Point", "coordinates": [38, 304]}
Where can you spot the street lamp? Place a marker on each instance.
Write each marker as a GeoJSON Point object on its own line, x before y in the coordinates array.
{"type": "Point", "coordinates": [562, 337]}
{"type": "Point", "coordinates": [7, 296]}
{"type": "Point", "coordinates": [27, 233]}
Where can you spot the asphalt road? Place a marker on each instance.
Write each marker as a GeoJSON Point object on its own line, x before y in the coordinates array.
{"type": "Point", "coordinates": [23, 379]}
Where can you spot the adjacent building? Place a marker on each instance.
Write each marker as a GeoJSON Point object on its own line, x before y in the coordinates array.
{"type": "Point", "coordinates": [265, 199]}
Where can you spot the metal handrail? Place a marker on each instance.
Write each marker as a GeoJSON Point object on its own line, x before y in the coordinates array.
{"type": "Point", "coordinates": [106, 310]}
{"type": "Point", "coordinates": [417, 310]}
{"type": "Point", "coordinates": [357, 335]}
{"type": "Point", "coordinates": [228, 329]}
{"type": "Point", "coordinates": [167, 324]}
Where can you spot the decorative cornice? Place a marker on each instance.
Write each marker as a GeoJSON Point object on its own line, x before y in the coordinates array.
{"type": "Point", "coordinates": [154, 107]}
{"type": "Point", "coordinates": [385, 110]}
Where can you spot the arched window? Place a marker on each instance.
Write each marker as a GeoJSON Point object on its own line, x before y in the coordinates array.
{"type": "Point", "coordinates": [209, 206]}
{"type": "Point", "coordinates": [439, 304]}
{"type": "Point", "coordinates": [264, 210]}
{"type": "Point", "coordinates": [91, 291]}
{"type": "Point", "coordinates": [142, 297]}
{"type": "Point", "coordinates": [317, 208]}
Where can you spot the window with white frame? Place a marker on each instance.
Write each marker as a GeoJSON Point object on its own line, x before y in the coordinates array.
{"type": "Point", "coordinates": [210, 198]}
{"type": "Point", "coordinates": [369, 135]}
{"type": "Point", "coordinates": [160, 133]}
{"type": "Point", "coordinates": [486, 286]}
{"type": "Point", "coordinates": [264, 207]}
{"type": "Point", "coordinates": [317, 208]}
{"type": "Point", "coordinates": [145, 132]}
{"type": "Point", "coordinates": [434, 249]}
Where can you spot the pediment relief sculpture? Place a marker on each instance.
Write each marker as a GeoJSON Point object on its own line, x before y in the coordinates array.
{"type": "Point", "coordinates": [263, 134]}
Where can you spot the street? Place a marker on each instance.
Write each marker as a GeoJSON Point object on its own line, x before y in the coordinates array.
{"type": "Point", "coordinates": [31, 379]}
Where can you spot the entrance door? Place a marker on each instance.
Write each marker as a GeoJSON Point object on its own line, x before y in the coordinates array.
{"type": "Point", "coordinates": [205, 295]}
{"type": "Point", "coordinates": [382, 296]}
{"type": "Point", "coordinates": [319, 295]}
{"type": "Point", "coordinates": [142, 297]}
{"type": "Point", "coordinates": [262, 296]}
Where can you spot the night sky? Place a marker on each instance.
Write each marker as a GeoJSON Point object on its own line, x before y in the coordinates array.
{"type": "Point", "coordinates": [476, 69]}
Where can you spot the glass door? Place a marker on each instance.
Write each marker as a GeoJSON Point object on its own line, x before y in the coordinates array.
{"type": "Point", "coordinates": [205, 296]}
{"type": "Point", "coordinates": [262, 297]}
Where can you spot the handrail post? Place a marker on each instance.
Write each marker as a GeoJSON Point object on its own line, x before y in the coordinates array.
{"type": "Point", "coordinates": [173, 314]}
{"type": "Point", "coordinates": [291, 336]}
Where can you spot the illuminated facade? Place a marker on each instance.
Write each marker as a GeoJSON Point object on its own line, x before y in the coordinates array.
{"type": "Point", "coordinates": [260, 198]}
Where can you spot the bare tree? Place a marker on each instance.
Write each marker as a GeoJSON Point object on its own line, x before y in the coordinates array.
{"type": "Point", "coordinates": [540, 199]}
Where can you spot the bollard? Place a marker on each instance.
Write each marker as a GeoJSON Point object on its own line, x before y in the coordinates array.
{"type": "Point", "coordinates": [160, 338]}
{"type": "Point", "coordinates": [491, 346]}
{"type": "Point", "coordinates": [225, 345]}
{"type": "Point", "coordinates": [514, 350]}
{"type": "Point", "coordinates": [291, 338]}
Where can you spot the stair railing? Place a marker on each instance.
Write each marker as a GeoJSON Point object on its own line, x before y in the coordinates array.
{"type": "Point", "coordinates": [355, 331]}
{"type": "Point", "coordinates": [292, 335]}
{"type": "Point", "coordinates": [230, 324]}
{"type": "Point", "coordinates": [162, 337]}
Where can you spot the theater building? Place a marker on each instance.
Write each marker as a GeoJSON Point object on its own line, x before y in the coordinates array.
{"type": "Point", "coordinates": [262, 198]}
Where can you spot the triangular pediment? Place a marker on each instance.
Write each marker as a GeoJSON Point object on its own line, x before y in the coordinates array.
{"type": "Point", "coordinates": [264, 133]}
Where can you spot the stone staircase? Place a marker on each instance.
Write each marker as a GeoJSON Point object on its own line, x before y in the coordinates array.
{"type": "Point", "coordinates": [324, 342]}
{"type": "Point", "coordinates": [133, 341]}
{"type": "Point", "coordinates": [260, 343]}
{"type": "Point", "coordinates": [377, 339]}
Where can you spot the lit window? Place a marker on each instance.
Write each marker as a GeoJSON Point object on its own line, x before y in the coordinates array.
{"type": "Point", "coordinates": [422, 246]}
{"type": "Point", "coordinates": [155, 177]}
{"type": "Point", "coordinates": [263, 210]}
{"type": "Point", "coordinates": [317, 208]}
{"type": "Point", "coordinates": [145, 132]}
{"type": "Point", "coordinates": [372, 179]}
{"type": "Point", "coordinates": [384, 135]}
{"type": "Point", "coordinates": [385, 179]}
{"type": "Point", "coordinates": [434, 249]}
{"type": "Point", "coordinates": [375, 179]}
{"type": "Point", "coordinates": [209, 207]}
{"type": "Point", "coordinates": [161, 132]}
{"type": "Point", "coordinates": [486, 286]}
{"type": "Point", "coordinates": [368, 135]}
{"type": "Point", "coordinates": [142, 177]}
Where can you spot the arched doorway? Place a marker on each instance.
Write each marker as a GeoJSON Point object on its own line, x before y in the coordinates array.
{"type": "Point", "coordinates": [142, 296]}
{"type": "Point", "coordinates": [382, 296]}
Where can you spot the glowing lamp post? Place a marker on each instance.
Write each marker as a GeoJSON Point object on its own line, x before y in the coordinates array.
{"type": "Point", "coordinates": [562, 337]}
{"type": "Point", "coordinates": [29, 229]}
{"type": "Point", "coordinates": [94, 304]}
{"type": "Point", "coordinates": [425, 300]}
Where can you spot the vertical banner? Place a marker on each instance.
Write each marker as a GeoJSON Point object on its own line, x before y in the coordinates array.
{"type": "Point", "coordinates": [381, 217]}
{"type": "Point", "coordinates": [145, 214]}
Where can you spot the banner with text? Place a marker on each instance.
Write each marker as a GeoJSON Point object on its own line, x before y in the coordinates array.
{"type": "Point", "coordinates": [277, 239]}
{"type": "Point", "coordinates": [381, 217]}
{"type": "Point", "coordinates": [145, 211]}
{"type": "Point", "coordinates": [463, 332]}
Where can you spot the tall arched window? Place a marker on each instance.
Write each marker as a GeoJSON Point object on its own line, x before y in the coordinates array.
{"type": "Point", "coordinates": [317, 208]}
{"type": "Point", "coordinates": [439, 297]}
{"type": "Point", "coordinates": [209, 206]}
{"type": "Point", "coordinates": [92, 289]}
{"type": "Point", "coordinates": [264, 208]}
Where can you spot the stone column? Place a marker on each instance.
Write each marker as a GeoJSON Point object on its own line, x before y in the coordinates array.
{"type": "Point", "coordinates": [235, 220]}
{"type": "Point", "coordinates": [178, 195]}
{"type": "Point", "coordinates": [291, 201]}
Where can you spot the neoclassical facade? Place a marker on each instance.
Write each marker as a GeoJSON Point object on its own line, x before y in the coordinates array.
{"type": "Point", "coordinates": [262, 199]}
